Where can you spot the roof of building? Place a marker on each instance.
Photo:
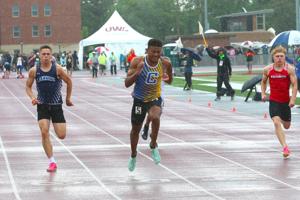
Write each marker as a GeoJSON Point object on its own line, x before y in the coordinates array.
{"type": "Point", "coordinates": [266, 11]}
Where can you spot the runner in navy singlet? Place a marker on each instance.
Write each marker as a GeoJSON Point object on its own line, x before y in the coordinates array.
{"type": "Point", "coordinates": [280, 76]}
{"type": "Point", "coordinates": [48, 76]}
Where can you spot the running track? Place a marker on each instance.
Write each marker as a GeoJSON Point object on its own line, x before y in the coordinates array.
{"type": "Point", "coordinates": [208, 152]}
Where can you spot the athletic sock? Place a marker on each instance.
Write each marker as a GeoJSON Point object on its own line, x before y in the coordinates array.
{"type": "Point", "coordinates": [52, 160]}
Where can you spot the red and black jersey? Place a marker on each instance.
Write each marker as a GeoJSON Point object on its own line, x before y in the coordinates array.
{"type": "Point", "coordinates": [279, 85]}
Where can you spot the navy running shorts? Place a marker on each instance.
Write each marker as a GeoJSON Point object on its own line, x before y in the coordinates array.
{"type": "Point", "coordinates": [51, 112]}
{"type": "Point", "coordinates": [140, 108]}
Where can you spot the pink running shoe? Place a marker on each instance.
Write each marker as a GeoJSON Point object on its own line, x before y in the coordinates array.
{"type": "Point", "coordinates": [286, 152]}
{"type": "Point", "coordinates": [52, 167]}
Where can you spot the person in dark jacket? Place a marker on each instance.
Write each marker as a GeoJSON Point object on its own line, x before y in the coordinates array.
{"type": "Point", "coordinates": [188, 70]}
{"type": "Point", "coordinates": [223, 71]}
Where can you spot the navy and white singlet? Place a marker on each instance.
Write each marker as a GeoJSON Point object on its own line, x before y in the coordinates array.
{"type": "Point", "coordinates": [48, 86]}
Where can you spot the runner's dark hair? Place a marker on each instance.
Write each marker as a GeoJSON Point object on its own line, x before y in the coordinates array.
{"type": "Point", "coordinates": [154, 43]}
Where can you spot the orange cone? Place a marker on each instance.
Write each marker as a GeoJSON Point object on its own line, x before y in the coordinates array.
{"type": "Point", "coordinates": [233, 109]}
{"type": "Point", "coordinates": [265, 116]}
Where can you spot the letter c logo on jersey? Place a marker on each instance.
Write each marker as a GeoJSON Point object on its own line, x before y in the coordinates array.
{"type": "Point", "coordinates": [152, 77]}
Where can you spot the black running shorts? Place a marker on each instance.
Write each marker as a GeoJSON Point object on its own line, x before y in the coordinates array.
{"type": "Point", "coordinates": [53, 112]}
{"type": "Point", "coordinates": [140, 108]}
{"type": "Point", "coordinates": [280, 109]}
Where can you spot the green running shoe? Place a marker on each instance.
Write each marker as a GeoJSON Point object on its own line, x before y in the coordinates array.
{"type": "Point", "coordinates": [131, 163]}
{"type": "Point", "coordinates": [155, 155]}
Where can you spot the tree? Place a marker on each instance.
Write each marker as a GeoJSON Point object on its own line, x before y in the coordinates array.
{"type": "Point", "coordinates": [94, 14]}
{"type": "Point", "coordinates": [283, 18]}
{"type": "Point", "coordinates": [150, 17]}
{"type": "Point", "coordinates": [158, 19]}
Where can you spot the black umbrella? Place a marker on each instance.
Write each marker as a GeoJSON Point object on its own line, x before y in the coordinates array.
{"type": "Point", "coordinates": [192, 52]}
{"type": "Point", "coordinates": [251, 84]}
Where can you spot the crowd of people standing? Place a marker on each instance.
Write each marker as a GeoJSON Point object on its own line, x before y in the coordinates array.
{"type": "Point", "coordinates": [19, 62]}
{"type": "Point", "coordinates": [97, 62]}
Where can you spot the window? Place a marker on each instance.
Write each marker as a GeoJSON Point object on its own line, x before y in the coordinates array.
{"type": "Point", "coordinates": [48, 31]}
{"type": "Point", "coordinates": [260, 22]}
{"type": "Point", "coordinates": [34, 11]}
{"type": "Point", "coordinates": [47, 10]}
{"type": "Point", "coordinates": [35, 31]}
{"type": "Point", "coordinates": [16, 32]}
{"type": "Point", "coordinates": [15, 11]}
{"type": "Point", "coordinates": [235, 25]}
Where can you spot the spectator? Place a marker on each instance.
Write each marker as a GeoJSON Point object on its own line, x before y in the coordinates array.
{"type": "Point", "coordinates": [69, 63]}
{"type": "Point", "coordinates": [296, 63]}
{"type": "Point", "coordinates": [122, 61]}
{"type": "Point", "coordinates": [102, 63]}
{"type": "Point", "coordinates": [249, 59]}
{"type": "Point", "coordinates": [19, 66]}
{"type": "Point", "coordinates": [113, 63]}
{"type": "Point", "coordinates": [75, 60]}
{"type": "Point", "coordinates": [223, 71]}
{"type": "Point", "coordinates": [188, 70]}
{"type": "Point", "coordinates": [130, 57]}
{"type": "Point", "coordinates": [95, 64]}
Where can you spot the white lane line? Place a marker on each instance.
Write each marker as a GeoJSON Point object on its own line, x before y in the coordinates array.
{"type": "Point", "coordinates": [236, 163]}
{"type": "Point", "coordinates": [206, 129]}
{"type": "Point", "coordinates": [112, 146]}
{"type": "Point", "coordinates": [202, 149]}
{"type": "Point", "coordinates": [9, 98]}
{"type": "Point", "coordinates": [68, 150]}
{"type": "Point", "coordinates": [199, 188]}
{"type": "Point", "coordinates": [168, 97]}
{"type": "Point", "coordinates": [11, 177]}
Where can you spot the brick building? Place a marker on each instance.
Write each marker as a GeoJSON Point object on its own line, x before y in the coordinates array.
{"type": "Point", "coordinates": [25, 25]}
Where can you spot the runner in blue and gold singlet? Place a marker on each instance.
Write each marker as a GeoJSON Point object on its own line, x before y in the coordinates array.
{"type": "Point", "coordinates": [147, 73]}
{"type": "Point", "coordinates": [148, 83]}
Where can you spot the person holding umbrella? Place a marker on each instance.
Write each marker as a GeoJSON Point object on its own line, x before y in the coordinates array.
{"type": "Point", "coordinates": [280, 75]}
{"type": "Point", "coordinates": [296, 63]}
{"type": "Point", "coordinates": [223, 71]}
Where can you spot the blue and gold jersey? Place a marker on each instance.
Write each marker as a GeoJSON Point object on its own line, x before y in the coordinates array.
{"type": "Point", "coordinates": [148, 83]}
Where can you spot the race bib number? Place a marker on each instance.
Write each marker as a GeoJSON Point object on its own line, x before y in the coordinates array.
{"type": "Point", "coordinates": [138, 110]}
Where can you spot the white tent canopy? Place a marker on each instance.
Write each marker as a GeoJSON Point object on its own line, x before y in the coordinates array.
{"type": "Point", "coordinates": [117, 36]}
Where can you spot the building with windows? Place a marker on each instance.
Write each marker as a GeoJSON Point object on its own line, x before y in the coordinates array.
{"type": "Point", "coordinates": [244, 21]}
{"type": "Point", "coordinates": [235, 28]}
{"type": "Point", "coordinates": [26, 25]}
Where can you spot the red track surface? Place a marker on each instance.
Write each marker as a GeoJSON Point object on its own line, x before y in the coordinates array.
{"type": "Point", "coordinates": [207, 152]}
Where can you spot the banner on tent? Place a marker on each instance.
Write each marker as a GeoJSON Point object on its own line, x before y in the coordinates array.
{"type": "Point", "coordinates": [116, 28]}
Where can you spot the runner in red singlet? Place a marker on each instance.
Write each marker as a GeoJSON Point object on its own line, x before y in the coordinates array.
{"type": "Point", "coordinates": [280, 75]}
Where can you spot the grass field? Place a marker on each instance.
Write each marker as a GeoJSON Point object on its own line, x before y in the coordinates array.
{"type": "Point", "coordinates": [237, 77]}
